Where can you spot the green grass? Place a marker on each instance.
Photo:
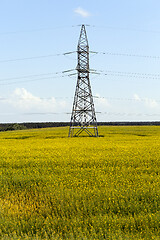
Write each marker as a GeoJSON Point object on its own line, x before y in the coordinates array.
{"type": "Point", "coordinates": [55, 187]}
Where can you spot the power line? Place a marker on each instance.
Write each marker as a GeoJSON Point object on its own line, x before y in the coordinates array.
{"type": "Point", "coordinates": [127, 29]}
{"type": "Point", "coordinates": [70, 75]}
{"type": "Point", "coordinates": [36, 75]}
{"type": "Point", "coordinates": [68, 53]}
{"type": "Point", "coordinates": [31, 98]}
{"type": "Point", "coordinates": [131, 114]}
{"type": "Point", "coordinates": [47, 113]}
{"type": "Point", "coordinates": [38, 30]}
{"type": "Point", "coordinates": [36, 57]}
{"type": "Point", "coordinates": [37, 79]}
{"type": "Point", "coordinates": [102, 113]}
{"type": "Point", "coordinates": [126, 99]}
{"type": "Point", "coordinates": [78, 25]}
{"type": "Point", "coordinates": [92, 71]}
{"type": "Point", "coordinates": [99, 72]}
{"type": "Point", "coordinates": [127, 55]}
{"type": "Point", "coordinates": [96, 97]}
{"type": "Point", "coordinates": [128, 74]}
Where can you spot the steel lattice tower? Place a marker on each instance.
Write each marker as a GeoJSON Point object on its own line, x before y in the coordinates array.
{"type": "Point", "coordinates": [83, 116]}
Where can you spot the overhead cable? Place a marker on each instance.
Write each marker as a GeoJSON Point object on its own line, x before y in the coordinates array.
{"type": "Point", "coordinates": [128, 75]}
{"type": "Point", "coordinates": [95, 97]}
{"type": "Point", "coordinates": [126, 99]}
{"type": "Point", "coordinates": [127, 29]}
{"type": "Point", "coordinates": [37, 79]}
{"type": "Point", "coordinates": [36, 75]}
{"type": "Point", "coordinates": [127, 55]}
{"type": "Point", "coordinates": [102, 113]}
{"type": "Point", "coordinates": [68, 53]}
{"type": "Point", "coordinates": [36, 57]}
{"type": "Point", "coordinates": [38, 30]}
{"type": "Point", "coordinates": [78, 25]}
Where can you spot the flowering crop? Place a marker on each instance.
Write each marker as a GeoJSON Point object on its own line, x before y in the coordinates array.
{"type": "Point", "coordinates": [55, 187]}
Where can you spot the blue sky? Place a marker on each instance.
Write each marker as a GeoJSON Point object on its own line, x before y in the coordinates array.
{"type": "Point", "coordinates": [128, 32]}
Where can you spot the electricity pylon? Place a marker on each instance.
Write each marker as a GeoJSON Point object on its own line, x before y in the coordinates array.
{"type": "Point", "coordinates": [83, 118]}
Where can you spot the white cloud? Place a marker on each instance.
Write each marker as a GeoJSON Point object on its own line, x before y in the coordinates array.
{"type": "Point", "coordinates": [26, 101]}
{"type": "Point", "coordinates": [151, 103]}
{"type": "Point", "coordinates": [101, 102]}
{"type": "Point", "coordinates": [136, 97]}
{"type": "Point", "coordinates": [81, 12]}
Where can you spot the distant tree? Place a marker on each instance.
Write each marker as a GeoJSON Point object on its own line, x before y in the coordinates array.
{"type": "Point", "coordinates": [15, 126]}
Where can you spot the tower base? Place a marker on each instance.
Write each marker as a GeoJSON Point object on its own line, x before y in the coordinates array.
{"type": "Point", "coordinates": [91, 131]}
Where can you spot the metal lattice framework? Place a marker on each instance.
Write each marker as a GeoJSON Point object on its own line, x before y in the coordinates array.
{"type": "Point", "coordinates": [83, 116]}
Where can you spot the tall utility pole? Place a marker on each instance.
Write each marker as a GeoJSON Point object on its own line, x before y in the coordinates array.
{"type": "Point", "coordinates": [83, 118]}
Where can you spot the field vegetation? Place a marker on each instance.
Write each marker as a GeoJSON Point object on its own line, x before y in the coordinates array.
{"type": "Point", "coordinates": [55, 187]}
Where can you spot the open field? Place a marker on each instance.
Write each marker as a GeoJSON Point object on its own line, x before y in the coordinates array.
{"type": "Point", "coordinates": [55, 187]}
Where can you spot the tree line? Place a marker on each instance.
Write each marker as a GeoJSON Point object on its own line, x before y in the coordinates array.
{"type": "Point", "coordinates": [32, 125]}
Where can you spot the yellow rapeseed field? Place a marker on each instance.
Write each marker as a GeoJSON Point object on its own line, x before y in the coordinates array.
{"type": "Point", "coordinates": [55, 187]}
